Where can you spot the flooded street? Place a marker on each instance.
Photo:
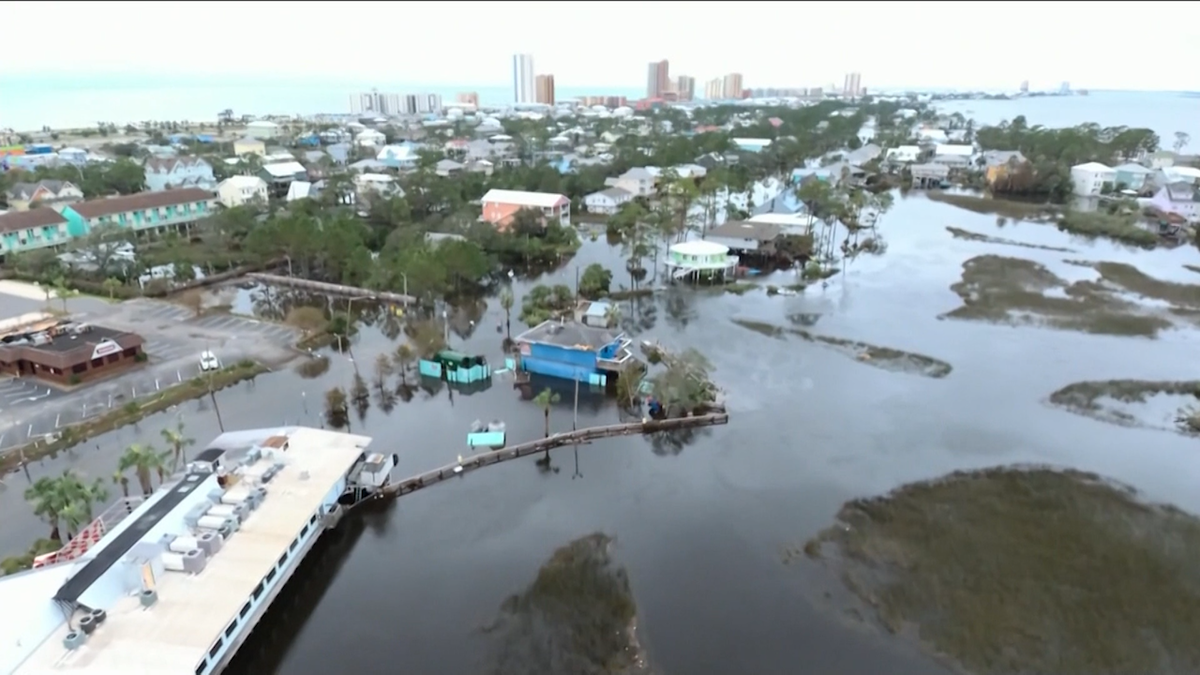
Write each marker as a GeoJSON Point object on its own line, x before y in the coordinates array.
{"type": "Point", "coordinates": [699, 525]}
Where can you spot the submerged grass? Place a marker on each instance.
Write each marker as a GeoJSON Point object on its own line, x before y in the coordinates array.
{"type": "Point", "coordinates": [577, 617]}
{"type": "Point", "coordinates": [968, 235]}
{"type": "Point", "coordinates": [1001, 207]}
{"type": "Point", "coordinates": [1123, 228]}
{"type": "Point", "coordinates": [1027, 570]}
{"type": "Point", "coordinates": [1088, 399]}
{"type": "Point", "coordinates": [885, 358]}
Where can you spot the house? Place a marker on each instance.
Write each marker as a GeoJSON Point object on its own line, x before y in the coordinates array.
{"type": "Point", "coordinates": [141, 212]}
{"type": "Point", "coordinates": [1089, 179]}
{"type": "Point", "coordinates": [573, 351]}
{"type": "Point", "coordinates": [1131, 176]}
{"type": "Point", "coordinates": [1176, 174]}
{"type": "Point", "coordinates": [746, 236]}
{"type": "Point", "coordinates": [339, 152]}
{"type": "Point", "coordinates": [448, 167]}
{"type": "Point", "coordinates": [378, 183]}
{"type": "Point", "coordinates": [50, 193]}
{"type": "Point", "coordinates": [240, 190]}
{"type": "Point", "coordinates": [166, 173]}
{"type": "Point", "coordinates": [607, 201]}
{"type": "Point", "coordinates": [929, 175]}
{"type": "Point", "coordinates": [638, 181]}
{"type": "Point", "coordinates": [866, 153]}
{"type": "Point", "coordinates": [31, 229]}
{"type": "Point", "coordinates": [903, 154]}
{"type": "Point", "coordinates": [249, 146]}
{"type": "Point", "coordinates": [1161, 159]}
{"type": "Point", "coordinates": [596, 313]}
{"type": "Point", "coordinates": [953, 156]}
{"type": "Point", "coordinates": [402, 156]}
{"type": "Point", "coordinates": [997, 163]}
{"type": "Point", "coordinates": [263, 129]}
{"type": "Point", "coordinates": [369, 138]}
{"type": "Point", "coordinates": [866, 133]}
{"type": "Point", "coordinates": [1181, 199]}
{"type": "Point", "coordinates": [499, 206]}
{"type": "Point", "coordinates": [299, 189]}
{"type": "Point", "coordinates": [279, 176]}
{"type": "Point", "coordinates": [825, 174]}
{"type": "Point", "coordinates": [277, 155]}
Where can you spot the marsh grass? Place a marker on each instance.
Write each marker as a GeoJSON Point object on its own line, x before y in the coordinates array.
{"type": "Point", "coordinates": [1028, 570]}
{"type": "Point", "coordinates": [1014, 290]}
{"type": "Point", "coordinates": [885, 358]}
{"type": "Point", "coordinates": [1123, 228]}
{"type": "Point", "coordinates": [968, 235]}
{"type": "Point", "coordinates": [991, 206]}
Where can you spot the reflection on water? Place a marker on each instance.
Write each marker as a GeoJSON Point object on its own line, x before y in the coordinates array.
{"type": "Point", "coordinates": [701, 519]}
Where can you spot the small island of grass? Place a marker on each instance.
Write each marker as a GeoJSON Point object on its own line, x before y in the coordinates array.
{"type": "Point", "coordinates": [1026, 570]}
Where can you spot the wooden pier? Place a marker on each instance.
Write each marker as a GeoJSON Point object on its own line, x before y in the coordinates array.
{"type": "Point", "coordinates": [332, 289]}
{"type": "Point", "coordinates": [484, 459]}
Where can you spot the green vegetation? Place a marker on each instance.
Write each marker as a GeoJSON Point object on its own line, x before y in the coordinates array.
{"type": "Point", "coordinates": [1123, 402]}
{"type": "Point", "coordinates": [884, 358]}
{"type": "Point", "coordinates": [94, 179]}
{"type": "Point", "coordinates": [130, 413]}
{"type": "Point", "coordinates": [968, 235]}
{"type": "Point", "coordinates": [546, 302]}
{"type": "Point", "coordinates": [1013, 570]}
{"type": "Point", "coordinates": [594, 282]}
{"type": "Point", "coordinates": [1052, 153]}
{"type": "Point", "coordinates": [578, 616]}
{"type": "Point", "coordinates": [1121, 227]}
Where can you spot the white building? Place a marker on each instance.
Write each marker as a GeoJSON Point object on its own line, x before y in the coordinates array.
{"type": "Point", "coordinates": [239, 190]}
{"type": "Point", "coordinates": [378, 183]}
{"type": "Point", "coordinates": [263, 129]}
{"type": "Point", "coordinates": [523, 80]}
{"type": "Point", "coordinates": [369, 138]}
{"type": "Point", "coordinates": [1089, 179]}
{"type": "Point", "coordinates": [700, 259]}
{"type": "Point", "coordinates": [904, 154]}
{"type": "Point", "coordinates": [607, 201]}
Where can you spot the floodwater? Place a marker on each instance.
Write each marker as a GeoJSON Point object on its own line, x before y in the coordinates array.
{"type": "Point", "coordinates": [700, 525]}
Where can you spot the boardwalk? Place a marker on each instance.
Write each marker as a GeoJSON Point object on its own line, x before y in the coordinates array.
{"type": "Point", "coordinates": [332, 289]}
{"type": "Point", "coordinates": [489, 458]}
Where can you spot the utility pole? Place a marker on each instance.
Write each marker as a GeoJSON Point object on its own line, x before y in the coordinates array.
{"type": "Point", "coordinates": [575, 427]}
{"type": "Point", "coordinates": [213, 396]}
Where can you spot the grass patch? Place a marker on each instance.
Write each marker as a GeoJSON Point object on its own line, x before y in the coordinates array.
{"type": "Point", "coordinates": [1192, 268]}
{"type": "Point", "coordinates": [992, 206]}
{"type": "Point", "coordinates": [968, 235]}
{"type": "Point", "coordinates": [1028, 570]}
{"type": "Point", "coordinates": [629, 294]}
{"type": "Point", "coordinates": [130, 413]}
{"type": "Point", "coordinates": [1123, 228]}
{"type": "Point", "coordinates": [1093, 399]}
{"type": "Point", "coordinates": [739, 287]}
{"type": "Point", "coordinates": [1014, 290]}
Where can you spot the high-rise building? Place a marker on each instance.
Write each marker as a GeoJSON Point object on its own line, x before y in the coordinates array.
{"type": "Point", "coordinates": [658, 79]}
{"type": "Point", "coordinates": [544, 89]}
{"type": "Point", "coordinates": [731, 87]}
{"type": "Point", "coordinates": [523, 83]}
{"type": "Point", "coordinates": [685, 87]}
{"type": "Point", "coordinates": [1024, 86]}
{"type": "Point", "coordinates": [852, 87]}
{"type": "Point", "coordinates": [468, 98]}
{"type": "Point", "coordinates": [715, 89]}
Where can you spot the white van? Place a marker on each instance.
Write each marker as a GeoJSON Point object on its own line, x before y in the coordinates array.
{"type": "Point", "coordinates": [209, 361]}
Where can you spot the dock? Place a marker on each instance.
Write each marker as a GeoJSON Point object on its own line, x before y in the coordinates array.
{"type": "Point", "coordinates": [178, 584]}
{"type": "Point", "coordinates": [326, 288]}
{"type": "Point", "coordinates": [492, 457]}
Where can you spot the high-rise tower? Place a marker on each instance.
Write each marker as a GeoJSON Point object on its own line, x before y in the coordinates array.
{"type": "Point", "coordinates": [523, 83]}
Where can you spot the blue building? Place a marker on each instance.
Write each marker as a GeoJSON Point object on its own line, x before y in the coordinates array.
{"type": "Point", "coordinates": [573, 351]}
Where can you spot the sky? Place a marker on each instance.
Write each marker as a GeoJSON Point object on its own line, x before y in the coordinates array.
{"type": "Point", "coordinates": [967, 45]}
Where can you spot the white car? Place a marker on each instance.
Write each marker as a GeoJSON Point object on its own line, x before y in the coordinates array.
{"type": "Point", "coordinates": [209, 361]}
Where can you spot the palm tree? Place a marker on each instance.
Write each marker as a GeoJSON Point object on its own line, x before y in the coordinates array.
{"type": "Point", "coordinates": [121, 479]}
{"type": "Point", "coordinates": [111, 285]}
{"type": "Point", "coordinates": [143, 459]}
{"type": "Point", "coordinates": [64, 501]}
{"type": "Point", "coordinates": [178, 443]}
{"type": "Point", "coordinates": [545, 399]}
{"type": "Point", "coordinates": [506, 301]}
{"type": "Point", "coordinates": [73, 517]}
{"type": "Point", "coordinates": [63, 291]}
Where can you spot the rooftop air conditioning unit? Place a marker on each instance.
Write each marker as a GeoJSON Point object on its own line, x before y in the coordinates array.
{"type": "Point", "coordinates": [194, 561]}
{"type": "Point", "coordinates": [194, 514]}
{"type": "Point", "coordinates": [210, 542]}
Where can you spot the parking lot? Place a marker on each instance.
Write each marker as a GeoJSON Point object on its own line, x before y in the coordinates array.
{"type": "Point", "coordinates": [174, 337]}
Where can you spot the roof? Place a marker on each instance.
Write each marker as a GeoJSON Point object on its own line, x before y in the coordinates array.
{"type": "Point", "coordinates": [1092, 166]}
{"type": "Point", "coordinates": [613, 192]}
{"type": "Point", "coordinates": [244, 181]}
{"type": "Point", "coordinates": [284, 169]}
{"type": "Point", "coordinates": [262, 123]}
{"type": "Point", "coordinates": [950, 149]}
{"type": "Point", "coordinates": [299, 189]}
{"type": "Point", "coordinates": [67, 350]}
{"type": "Point", "coordinates": [27, 190]}
{"type": "Point", "coordinates": [139, 202]}
{"type": "Point", "coordinates": [247, 139]}
{"type": "Point", "coordinates": [570, 335]}
{"type": "Point", "coordinates": [522, 198]}
{"type": "Point", "coordinates": [699, 247]}
{"type": "Point", "coordinates": [23, 220]}
{"type": "Point", "coordinates": [166, 164]}
{"type": "Point", "coordinates": [758, 231]}
{"type": "Point", "coordinates": [1130, 167]}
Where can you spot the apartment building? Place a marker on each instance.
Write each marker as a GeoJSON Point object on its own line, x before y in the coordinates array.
{"type": "Point", "coordinates": [499, 207]}
{"type": "Point", "coordinates": [523, 81]}
{"type": "Point", "coordinates": [732, 86]}
{"type": "Point", "coordinates": [544, 89]}
{"type": "Point", "coordinates": [685, 88]}
{"type": "Point", "coordinates": [658, 79]}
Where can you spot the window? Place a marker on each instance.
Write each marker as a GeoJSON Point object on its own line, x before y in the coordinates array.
{"type": "Point", "coordinates": [245, 610]}
{"type": "Point", "coordinates": [232, 627]}
{"type": "Point", "coordinates": [283, 558]}
{"type": "Point", "coordinates": [271, 576]}
{"type": "Point", "coordinates": [294, 543]}
{"type": "Point", "coordinates": [202, 667]}
{"type": "Point", "coordinates": [258, 591]}
{"type": "Point", "coordinates": [216, 647]}
{"type": "Point", "coordinates": [304, 530]}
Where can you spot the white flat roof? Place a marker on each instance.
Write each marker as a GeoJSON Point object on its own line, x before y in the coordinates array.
{"type": "Point", "coordinates": [284, 169]}
{"type": "Point", "coordinates": [538, 199]}
{"type": "Point", "coordinates": [192, 611]}
{"type": "Point", "coordinates": [699, 247]}
{"type": "Point", "coordinates": [780, 219]}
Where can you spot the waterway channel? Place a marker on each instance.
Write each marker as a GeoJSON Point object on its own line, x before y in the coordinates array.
{"type": "Point", "coordinates": [700, 526]}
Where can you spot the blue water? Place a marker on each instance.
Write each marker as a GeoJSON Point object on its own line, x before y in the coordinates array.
{"type": "Point", "coordinates": [27, 105]}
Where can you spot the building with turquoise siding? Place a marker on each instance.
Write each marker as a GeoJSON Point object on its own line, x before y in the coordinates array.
{"type": "Point", "coordinates": [36, 228]}
{"type": "Point", "coordinates": [141, 212]}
